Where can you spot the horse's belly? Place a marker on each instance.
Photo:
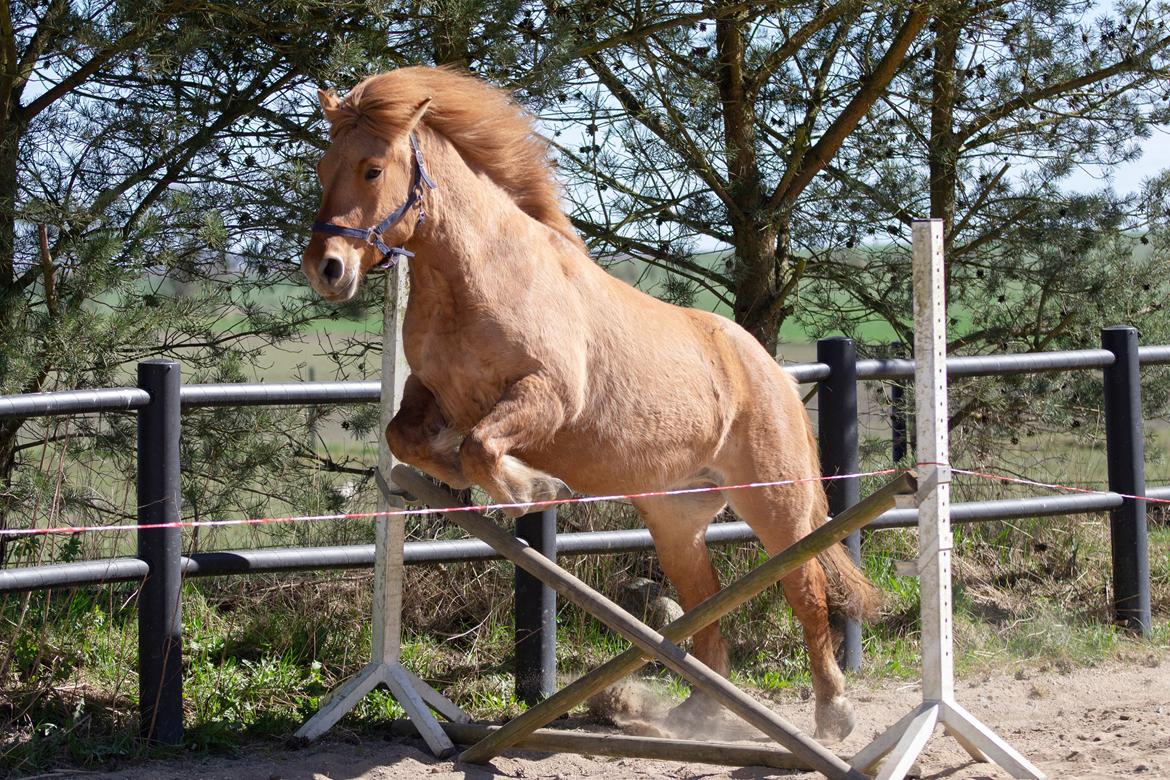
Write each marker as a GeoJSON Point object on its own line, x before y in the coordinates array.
{"type": "Point", "coordinates": [649, 421]}
{"type": "Point", "coordinates": [600, 465]}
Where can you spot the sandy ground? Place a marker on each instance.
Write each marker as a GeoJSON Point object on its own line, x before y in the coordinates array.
{"type": "Point", "coordinates": [1109, 721]}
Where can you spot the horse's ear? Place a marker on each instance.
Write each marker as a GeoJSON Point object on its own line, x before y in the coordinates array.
{"type": "Point", "coordinates": [329, 100]}
{"type": "Point", "coordinates": [417, 115]}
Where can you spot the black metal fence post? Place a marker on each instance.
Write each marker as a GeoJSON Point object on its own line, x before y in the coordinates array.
{"type": "Point", "coordinates": [536, 613]}
{"type": "Point", "coordinates": [837, 431]}
{"type": "Point", "coordinates": [1126, 459]}
{"type": "Point", "coordinates": [899, 439]}
{"type": "Point", "coordinates": [899, 413]}
{"type": "Point", "coordinates": [160, 649]}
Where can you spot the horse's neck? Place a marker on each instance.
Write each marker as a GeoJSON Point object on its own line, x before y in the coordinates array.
{"type": "Point", "coordinates": [454, 248]}
{"type": "Point", "coordinates": [475, 256]}
{"type": "Point", "coordinates": [473, 226]}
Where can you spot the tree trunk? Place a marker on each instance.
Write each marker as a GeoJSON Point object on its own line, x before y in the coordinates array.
{"type": "Point", "coordinates": [451, 38]}
{"type": "Point", "coordinates": [9, 153]}
{"type": "Point", "coordinates": [760, 257]}
{"type": "Point", "coordinates": [11, 303]}
{"type": "Point", "coordinates": [943, 153]}
{"type": "Point", "coordinates": [762, 254]}
{"type": "Point", "coordinates": [739, 121]}
{"type": "Point", "coordinates": [8, 433]}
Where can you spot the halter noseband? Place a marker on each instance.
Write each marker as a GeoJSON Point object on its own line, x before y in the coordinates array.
{"type": "Point", "coordinates": [373, 235]}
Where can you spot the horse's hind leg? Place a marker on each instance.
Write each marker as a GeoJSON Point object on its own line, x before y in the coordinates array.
{"type": "Point", "coordinates": [420, 435]}
{"type": "Point", "coordinates": [678, 525]}
{"type": "Point", "coordinates": [780, 516]}
{"type": "Point", "coordinates": [528, 414]}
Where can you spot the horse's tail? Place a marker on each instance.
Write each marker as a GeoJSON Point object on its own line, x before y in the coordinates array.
{"type": "Point", "coordinates": [848, 590]}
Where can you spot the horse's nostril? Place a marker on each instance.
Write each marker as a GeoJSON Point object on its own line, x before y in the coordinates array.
{"type": "Point", "coordinates": [331, 269]}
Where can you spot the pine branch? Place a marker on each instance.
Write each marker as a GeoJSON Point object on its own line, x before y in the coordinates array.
{"type": "Point", "coordinates": [84, 72]}
{"type": "Point", "coordinates": [796, 41]}
{"type": "Point", "coordinates": [641, 32]}
{"type": "Point", "coordinates": [197, 142]}
{"type": "Point", "coordinates": [653, 207]}
{"type": "Point", "coordinates": [980, 200]}
{"type": "Point", "coordinates": [816, 103]}
{"type": "Point", "coordinates": [648, 254]}
{"type": "Point", "coordinates": [9, 63]}
{"type": "Point", "coordinates": [897, 211]}
{"type": "Point", "coordinates": [48, 272]}
{"type": "Point", "coordinates": [871, 89]}
{"type": "Point", "coordinates": [1129, 64]}
{"type": "Point", "coordinates": [638, 111]}
{"type": "Point", "coordinates": [45, 33]}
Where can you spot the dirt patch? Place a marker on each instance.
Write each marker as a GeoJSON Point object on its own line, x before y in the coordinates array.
{"type": "Point", "coordinates": [1109, 721]}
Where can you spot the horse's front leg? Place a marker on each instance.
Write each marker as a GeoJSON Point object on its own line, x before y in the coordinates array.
{"type": "Point", "coordinates": [420, 436]}
{"type": "Point", "coordinates": [528, 414]}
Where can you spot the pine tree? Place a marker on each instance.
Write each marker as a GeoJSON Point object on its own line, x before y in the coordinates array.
{"type": "Point", "coordinates": [714, 129]}
{"type": "Point", "coordinates": [145, 149]}
{"type": "Point", "coordinates": [999, 106]}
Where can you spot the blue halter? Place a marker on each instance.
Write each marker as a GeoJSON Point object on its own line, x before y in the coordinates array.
{"type": "Point", "coordinates": [373, 235]}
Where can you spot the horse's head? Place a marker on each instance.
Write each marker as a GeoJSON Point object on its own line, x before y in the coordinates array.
{"type": "Point", "coordinates": [371, 182]}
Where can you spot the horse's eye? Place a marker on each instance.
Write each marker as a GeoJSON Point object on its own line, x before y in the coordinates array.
{"type": "Point", "coordinates": [373, 173]}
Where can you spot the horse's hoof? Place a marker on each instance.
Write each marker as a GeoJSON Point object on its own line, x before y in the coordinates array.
{"type": "Point", "coordinates": [697, 711]}
{"type": "Point", "coordinates": [543, 489]}
{"type": "Point", "coordinates": [550, 489]}
{"type": "Point", "coordinates": [835, 719]}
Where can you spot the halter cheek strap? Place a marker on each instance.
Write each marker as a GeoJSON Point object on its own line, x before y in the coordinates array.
{"type": "Point", "coordinates": [373, 235]}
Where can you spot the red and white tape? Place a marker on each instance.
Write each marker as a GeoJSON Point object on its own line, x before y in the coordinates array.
{"type": "Point", "coordinates": [252, 521]}
{"type": "Point", "coordinates": [81, 529]}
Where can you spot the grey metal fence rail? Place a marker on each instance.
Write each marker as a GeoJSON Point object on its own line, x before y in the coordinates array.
{"type": "Point", "coordinates": [161, 567]}
{"type": "Point", "coordinates": [274, 560]}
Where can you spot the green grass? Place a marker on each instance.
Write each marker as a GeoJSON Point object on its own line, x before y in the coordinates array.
{"type": "Point", "coordinates": [368, 323]}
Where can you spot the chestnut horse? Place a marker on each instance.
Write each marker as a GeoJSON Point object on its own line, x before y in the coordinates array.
{"type": "Point", "coordinates": [533, 369]}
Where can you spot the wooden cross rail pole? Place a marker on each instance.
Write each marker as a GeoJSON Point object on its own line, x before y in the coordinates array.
{"type": "Point", "coordinates": [622, 746]}
{"type": "Point", "coordinates": [702, 677]}
{"type": "Point", "coordinates": [649, 641]}
{"type": "Point", "coordinates": [710, 610]}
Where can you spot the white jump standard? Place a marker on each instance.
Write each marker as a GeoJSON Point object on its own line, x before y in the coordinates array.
{"type": "Point", "coordinates": [385, 668]}
{"type": "Point", "coordinates": [904, 741]}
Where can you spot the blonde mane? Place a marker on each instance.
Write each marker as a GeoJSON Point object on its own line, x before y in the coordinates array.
{"type": "Point", "coordinates": [490, 130]}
